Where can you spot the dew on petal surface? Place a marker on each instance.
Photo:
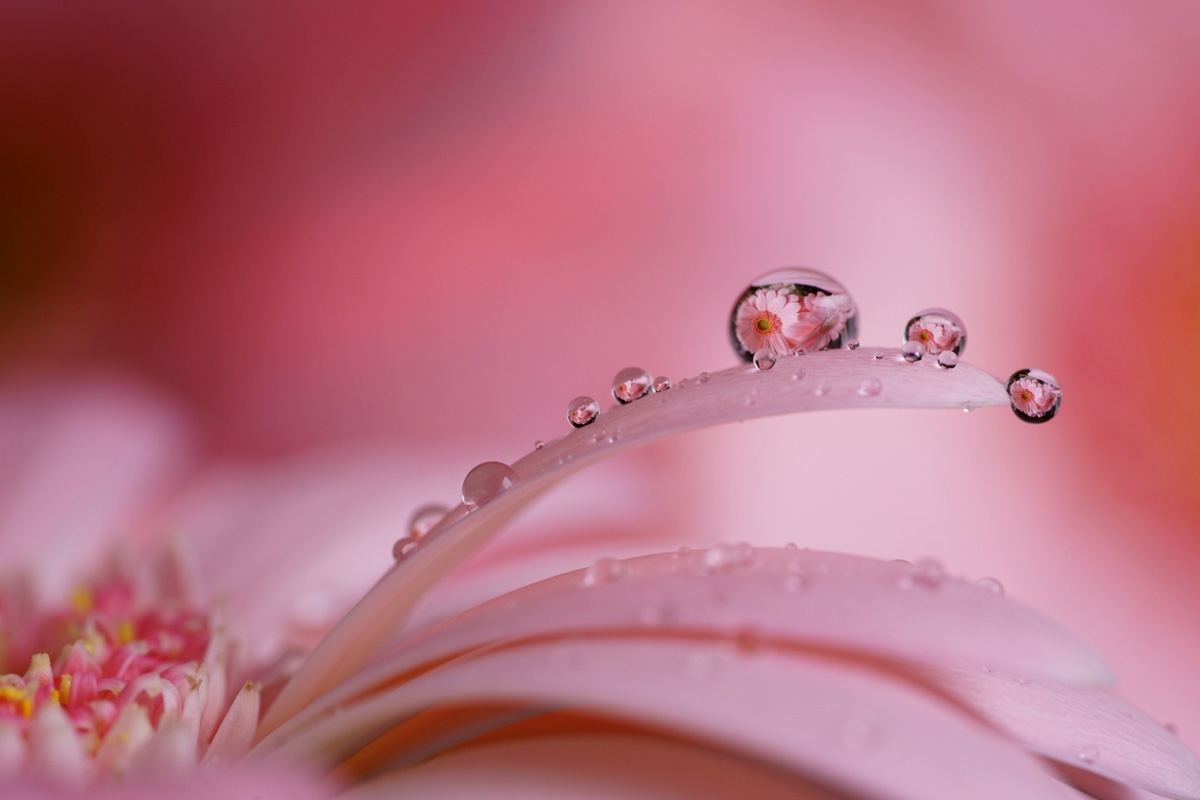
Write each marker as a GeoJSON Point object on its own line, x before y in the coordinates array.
{"type": "Point", "coordinates": [403, 546]}
{"type": "Point", "coordinates": [662, 383]}
{"type": "Point", "coordinates": [912, 351]}
{"type": "Point", "coordinates": [1089, 754]}
{"type": "Point", "coordinates": [937, 330]}
{"type": "Point", "coordinates": [792, 310]}
{"type": "Point", "coordinates": [486, 482]}
{"type": "Point", "coordinates": [991, 585]}
{"type": "Point", "coordinates": [764, 359]}
{"type": "Point", "coordinates": [631, 383]}
{"type": "Point", "coordinates": [424, 519]}
{"type": "Point", "coordinates": [1036, 395]}
{"type": "Point", "coordinates": [605, 570]}
{"type": "Point", "coordinates": [583, 410]}
{"type": "Point", "coordinates": [852, 344]}
{"type": "Point", "coordinates": [947, 359]}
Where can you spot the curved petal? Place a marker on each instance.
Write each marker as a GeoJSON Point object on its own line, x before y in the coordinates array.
{"type": "Point", "coordinates": [825, 380]}
{"type": "Point", "coordinates": [846, 725]}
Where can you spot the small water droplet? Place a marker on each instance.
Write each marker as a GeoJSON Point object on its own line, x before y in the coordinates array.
{"type": "Point", "coordinates": [929, 573]}
{"type": "Point", "coordinates": [947, 359]}
{"type": "Point", "coordinates": [486, 482]}
{"type": "Point", "coordinates": [1035, 395]}
{"type": "Point", "coordinates": [991, 585]}
{"type": "Point", "coordinates": [878, 356]}
{"type": "Point", "coordinates": [852, 344]}
{"type": "Point", "coordinates": [870, 388]}
{"type": "Point", "coordinates": [631, 383]}
{"type": "Point", "coordinates": [967, 408]}
{"type": "Point", "coordinates": [583, 410]}
{"type": "Point", "coordinates": [764, 359]}
{"type": "Point", "coordinates": [703, 377]}
{"type": "Point", "coordinates": [539, 444]}
{"type": "Point", "coordinates": [792, 310]}
{"type": "Point", "coordinates": [937, 331]}
{"type": "Point", "coordinates": [793, 584]}
{"type": "Point", "coordinates": [1089, 754]}
{"type": "Point", "coordinates": [798, 374]}
{"type": "Point", "coordinates": [605, 570]}
{"type": "Point", "coordinates": [662, 383]}
{"type": "Point", "coordinates": [911, 351]}
{"type": "Point", "coordinates": [403, 546]}
{"type": "Point", "coordinates": [424, 518]}
{"type": "Point", "coordinates": [790, 546]}
{"type": "Point", "coordinates": [823, 388]}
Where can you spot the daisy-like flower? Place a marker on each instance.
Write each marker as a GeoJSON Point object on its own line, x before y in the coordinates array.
{"type": "Point", "coordinates": [1033, 397]}
{"type": "Point", "coordinates": [934, 334]}
{"type": "Point", "coordinates": [821, 321]}
{"type": "Point", "coordinates": [763, 319]}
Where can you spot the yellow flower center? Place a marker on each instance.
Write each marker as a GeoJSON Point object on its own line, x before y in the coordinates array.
{"type": "Point", "coordinates": [764, 324]}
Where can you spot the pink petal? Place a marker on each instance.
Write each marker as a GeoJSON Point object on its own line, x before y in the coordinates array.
{"type": "Point", "coordinates": [128, 735]}
{"type": "Point", "coordinates": [688, 406]}
{"type": "Point", "coordinates": [1089, 729]}
{"type": "Point", "coordinates": [13, 750]}
{"type": "Point", "coordinates": [55, 752]}
{"type": "Point", "coordinates": [237, 729]}
{"type": "Point", "coordinates": [238, 783]}
{"type": "Point", "coordinates": [840, 723]}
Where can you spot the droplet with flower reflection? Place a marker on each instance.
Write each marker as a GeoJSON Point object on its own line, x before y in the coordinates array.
{"type": "Point", "coordinates": [789, 310]}
{"type": "Point", "coordinates": [662, 383]}
{"type": "Point", "coordinates": [424, 518]}
{"type": "Point", "coordinates": [583, 410]}
{"type": "Point", "coordinates": [486, 482]}
{"type": "Point", "coordinates": [631, 384]}
{"type": "Point", "coordinates": [764, 359]}
{"type": "Point", "coordinates": [1035, 395]}
{"type": "Point", "coordinates": [937, 330]}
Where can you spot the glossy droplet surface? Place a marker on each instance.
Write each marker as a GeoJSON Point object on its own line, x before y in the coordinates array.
{"type": "Point", "coordinates": [539, 444]}
{"type": "Point", "coordinates": [631, 384]}
{"type": "Point", "coordinates": [937, 330]}
{"type": "Point", "coordinates": [605, 570]}
{"type": "Point", "coordinates": [765, 359]}
{"type": "Point", "coordinates": [486, 482]}
{"type": "Point", "coordinates": [424, 518]}
{"type": "Point", "coordinates": [790, 310]}
{"type": "Point", "coordinates": [583, 410]}
{"type": "Point", "coordinates": [1035, 395]}
{"type": "Point", "coordinates": [403, 546]}
{"type": "Point", "coordinates": [912, 351]}
{"type": "Point", "coordinates": [1089, 754]}
{"type": "Point", "coordinates": [703, 377]}
{"type": "Point", "coordinates": [662, 383]}
{"type": "Point", "coordinates": [947, 359]}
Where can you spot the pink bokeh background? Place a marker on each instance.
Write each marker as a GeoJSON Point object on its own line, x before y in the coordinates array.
{"type": "Point", "coordinates": [407, 234]}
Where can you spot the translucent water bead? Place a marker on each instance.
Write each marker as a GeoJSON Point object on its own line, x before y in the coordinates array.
{"type": "Point", "coordinates": [790, 310]}
{"type": "Point", "coordinates": [583, 410]}
{"type": "Point", "coordinates": [1035, 395]}
{"type": "Point", "coordinates": [486, 482]}
{"type": "Point", "coordinates": [631, 384]}
{"type": "Point", "coordinates": [424, 518]}
{"type": "Point", "coordinates": [937, 330]}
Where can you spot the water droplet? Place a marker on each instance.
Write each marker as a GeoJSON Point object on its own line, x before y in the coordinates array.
{"type": "Point", "coordinates": [792, 310]}
{"type": "Point", "coordinates": [967, 408]}
{"type": "Point", "coordinates": [1089, 754]}
{"type": "Point", "coordinates": [878, 355]}
{"type": "Point", "coordinates": [683, 550]}
{"type": "Point", "coordinates": [606, 570]}
{"type": "Point", "coordinates": [991, 585]}
{"type": "Point", "coordinates": [703, 377]}
{"type": "Point", "coordinates": [823, 388]}
{"type": "Point", "coordinates": [403, 546]}
{"type": "Point", "coordinates": [937, 330]}
{"type": "Point", "coordinates": [764, 359]}
{"type": "Point", "coordinates": [662, 383]}
{"type": "Point", "coordinates": [852, 344]}
{"type": "Point", "coordinates": [583, 410]}
{"type": "Point", "coordinates": [539, 444]}
{"type": "Point", "coordinates": [717, 558]}
{"type": "Point", "coordinates": [486, 482]}
{"type": "Point", "coordinates": [870, 388]}
{"type": "Point", "coordinates": [793, 584]}
{"type": "Point", "coordinates": [947, 359]}
{"type": "Point", "coordinates": [1035, 395]}
{"type": "Point", "coordinates": [929, 573]}
{"type": "Point", "coordinates": [631, 384]}
{"type": "Point", "coordinates": [798, 374]}
{"type": "Point", "coordinates": [424, 518]}
{"type": "Point", "coordinates": [790, 546]}
{"type": "Point", "coordinates": [912, 351]}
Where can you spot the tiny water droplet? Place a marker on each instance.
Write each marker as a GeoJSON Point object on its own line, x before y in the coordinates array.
{"type": "Point", "coordinates": [717, 558]}
{"type": "Point", "coordinates": [631, 383]}
{"type": "Point", "coordinates": [967, 407]}
{"type": "Point", "coordinates": [424, 518]}
{"type": "Point", "coordinates": [937, 331]}
{"type": "Point", "coordinates": [991, 585]}
{"type": "Point", "coordinates": [912, 351]}
{"type": "Point", "coordinates": [764, 359]}
{"type": "Point", "coordinates": [1035, 395]}
{"type": "Point", "coordinates": [605, 570]}
{"type": "Point", "coordinates": [792, 310]}
{"type": "Point", "coordinates": [1089, 754]}
{"type": "Point", "coordinates": [662, 383]}
{"type": "Point", "coordinates": [703, 377]}
{"type": "Point", "coordinates": [870, 388]}
{"type": "Point", "coordinates": [486, 482]}
{"type": "Point", "coordinates": [798, 374]}
{"type": "Point", "coordinates": [823, 388]}
{"type": "Point", "coordinates": [539, 444]}
{"type": "Point", "coordinates": [929, 573]}
{"type": "Point", "coordinates": [791, 546]}
{"type": "Point", "coordinates": [947, 359]}
{"type": "Point", "coordinates": [878, 355]}
{"type": "Point", "coordinates": [403, 546]}
{"type": "Point", "coordinates": [583, 410]}
{"type": "Point", "coordinates": [852, 344]}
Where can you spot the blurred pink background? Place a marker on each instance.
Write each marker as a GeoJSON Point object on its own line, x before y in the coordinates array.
{"type": "Point", "coordinates": [405, 235]}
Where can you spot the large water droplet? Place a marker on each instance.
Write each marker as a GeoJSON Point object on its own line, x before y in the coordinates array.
{"type": "Point", "coordinates": [1035, 395]}
{"type": "Point", "coordinates": [662, 383]}
{"type": "Point", "coordinates": [630, 384]}
{"type": "Point", "coordinates": [486, 482]}
{"type": "Point", "coordinates": [424, 518]}
{"type": "Point", "coordinates": [764, 359]}
{"type": "Point", "coordinates": [937, 330]}
{"type": "Point", "coordinates": [583, 410]}
{"type": "Point", "coordinates": [852, 344]}
{"type": "Point", "coordinates": [790, 310]}
{"type": "Point", "coordinates": [403, 546]}
{"type": "Point", "coordinates": [703, 377]}
{"type": "Point", "coordinates": [912, 351]}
